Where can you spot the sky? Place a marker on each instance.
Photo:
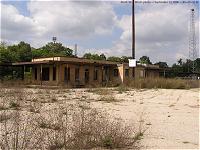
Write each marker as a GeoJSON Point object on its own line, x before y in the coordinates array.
{"type": "Point", "coordinates": [102, 26]}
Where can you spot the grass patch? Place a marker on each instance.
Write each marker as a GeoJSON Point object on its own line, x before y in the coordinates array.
{"type": "Point", "coordinates": [122, 88]}
{"type": "Point", "coordinates": [4, 117]}
{"type": "Point", "coordinates": [108, 99]}
{"type": "Point", "coordinates": [99, 91]}
{"type": "Point", "coordinates": [54, 99]}
{"type": "Point", "coordinates": [163, 83]}
{"type": "Point", "coordinates": [46, 124]}
{"type": "Point", "coordinates": [14, 105]}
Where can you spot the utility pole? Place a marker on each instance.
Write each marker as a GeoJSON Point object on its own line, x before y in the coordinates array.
{"type": "Point", "coordinates": [133, 29]}
{"type": "Point", "coordinates": [133, 38]}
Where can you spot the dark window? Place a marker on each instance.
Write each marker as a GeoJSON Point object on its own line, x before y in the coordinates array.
{"type": "Point", "coordinates": [116, 72]}
{"type": "Point", "coordinates": [35, 73]}
{"type": "Point", "coordinates": [76, 74]}
{"type": "Point", "coordinates": [54, 73]}
{"type": "Point", "coordinates": [86, 75]}
{"type": "Point", "coordinates": [45, 74]}
{"type": "Point", "coordinates": [127, 72]}
{"type": "Point", "coordinates": [67, 74]}
{"type": "Point", "coordinates": [95, 74]}
{"type": "Point", "coordinates": [133, 72]}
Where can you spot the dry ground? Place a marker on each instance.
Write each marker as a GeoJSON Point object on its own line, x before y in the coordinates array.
{"type": "Point", "coordinates": [170, 117]}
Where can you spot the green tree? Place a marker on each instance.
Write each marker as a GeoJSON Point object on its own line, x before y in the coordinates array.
{"type": "Point", "coordinates": [94, 56]}
{"type": "Point", "coordinates": [24, 51]}
{"type": "Point", "coordinates": [180, 61]}
{"type": "Point", "coordinates": [125, 59]}
{"type": "Point", "coordinates": [197, 62]}
{"type": "Point", "coordinates": [114, 59]}
{"type": "Point", "coordinates": [5, 55]}
{"type": "Point", "coordinates": [162, 64]}
{"type": "Point", "coordinates": [102, 56]}
{"type": "Point", "coordinates": [87, 55]}
{"type": "Point", "coordinates": [144, 60]}
{"type": "Point", "coordinates": [52, 49]}
{"type": "Point", "coordinates": [14, 53]}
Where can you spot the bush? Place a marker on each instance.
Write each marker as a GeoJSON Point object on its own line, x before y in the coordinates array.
{"type": "Point", "coordinates": [122, 88]}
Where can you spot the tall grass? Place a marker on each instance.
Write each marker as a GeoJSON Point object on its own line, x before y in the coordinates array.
{"type": "Point", "coordinates": [163, 83]}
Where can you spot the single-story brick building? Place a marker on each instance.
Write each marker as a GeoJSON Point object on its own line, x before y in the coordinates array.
{"type": "Point", "coordinates": [79, 72]}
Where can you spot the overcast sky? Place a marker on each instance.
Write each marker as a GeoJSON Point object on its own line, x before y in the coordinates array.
{"type": "Point", "coordinates": [101, 26]}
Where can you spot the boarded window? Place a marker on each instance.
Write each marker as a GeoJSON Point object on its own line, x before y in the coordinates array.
{"type": "Point", "coordinates": [95, 74]}
{"type": "Point", "coordinates": [67, 74]}
{"type": "Point", "coordinates": [54, 73]}
{"type": "Point", "coordinates": [127, 72]}
{"type": "Point", "coordinates": [35, 73]}
{"type": "Point", "coordinates": [76, 74]}
{"type": "Point", "coordinates": [116, 72]}
{"type": "Point", "coordinates": [45, 74]}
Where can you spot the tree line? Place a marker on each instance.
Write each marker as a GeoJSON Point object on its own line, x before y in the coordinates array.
{"type": "Point", "coordinates": [23, 52]}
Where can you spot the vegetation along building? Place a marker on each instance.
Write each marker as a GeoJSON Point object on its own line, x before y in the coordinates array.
{"type": "Point", "coordinates": [80, 72]}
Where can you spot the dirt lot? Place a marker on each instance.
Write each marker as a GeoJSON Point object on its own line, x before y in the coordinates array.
{"type": "Point", "coordinates": [170, 117]}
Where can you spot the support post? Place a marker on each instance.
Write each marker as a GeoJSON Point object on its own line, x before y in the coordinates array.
{"type": "Point", "coordinates": [41, 74]}
{"type": "Point", "coordinates": [22, 72]}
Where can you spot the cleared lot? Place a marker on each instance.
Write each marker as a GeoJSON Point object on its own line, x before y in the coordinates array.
{"type": "Point", "coordinates": [170, 118]}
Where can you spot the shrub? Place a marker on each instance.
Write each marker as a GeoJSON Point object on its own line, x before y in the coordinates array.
{"type": "Point", "coordinates": [108, 98]}
{"type": "Point", "coordinates": [122, 88]}
{"type": "Point", "coordinates": [14, 105]}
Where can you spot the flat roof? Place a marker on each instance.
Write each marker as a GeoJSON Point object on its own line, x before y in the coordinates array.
{"type": "Point", "coordinates": [76, 60]}
{"type": "Point", "coordinates": [73, 60]}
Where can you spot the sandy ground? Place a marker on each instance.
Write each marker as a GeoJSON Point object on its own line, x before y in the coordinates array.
{"type": "Point", "coordinates": [171, 117]}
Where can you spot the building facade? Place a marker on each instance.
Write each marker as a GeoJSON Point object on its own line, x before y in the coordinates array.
{"type": "Point", "coordinates": [79, 72]}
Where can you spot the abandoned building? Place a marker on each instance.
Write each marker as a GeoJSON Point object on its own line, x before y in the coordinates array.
{"type": "Point", "coordinates": [79, 72]}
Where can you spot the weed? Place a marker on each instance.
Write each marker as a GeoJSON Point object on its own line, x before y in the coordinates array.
{"type": "Point", "coordinates": [122, 88]}
{"type": "Point", "coordinates": [138, 136]}
{"type": "Point", "coordinates": [54, 99]}
{"type": "Point", "coordinates": [3, 107]}
{"type": "Point", "coordinates": [14, 105]}
{"type": "Point", "coordinates": [100, 91]}
{"type": "Point", "coordinates": [108, 99]}
{"type": "Point", "coordinates": [186, 142]}
{"type": "Point", "coordinates": [4, 117]}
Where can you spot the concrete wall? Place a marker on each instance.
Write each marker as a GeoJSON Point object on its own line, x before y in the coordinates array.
{"type": "Point", "coordinates": [82, 69]}
{"type": "Point", "coordinates": [38, 80]}
{"type": "Point", "coordinates": [140, 72]}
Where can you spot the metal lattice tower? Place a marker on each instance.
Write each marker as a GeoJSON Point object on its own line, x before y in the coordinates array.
{"type": "Point", "coordinates": [192, 40]}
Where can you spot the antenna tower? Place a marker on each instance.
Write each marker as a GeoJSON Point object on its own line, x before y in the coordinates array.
{"type": "Point", "coordinates": [192, 40]}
